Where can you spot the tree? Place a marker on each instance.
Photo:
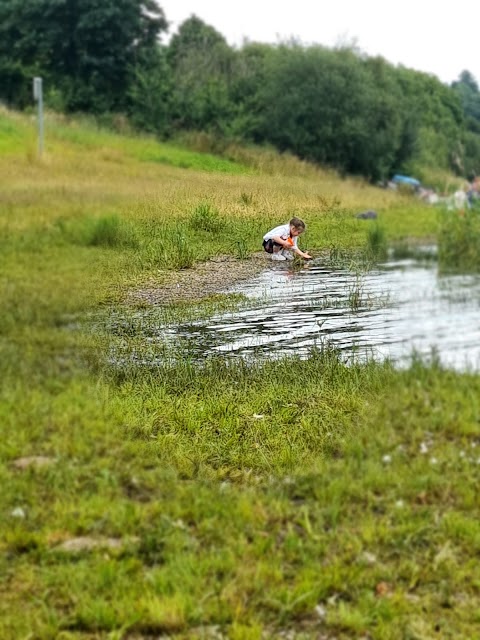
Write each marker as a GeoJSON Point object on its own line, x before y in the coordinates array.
{"type": "Point", "coordinates": [467, 90]}
{"type": "Point", "coordinates": [439, 122]}
{"type": "Point", "coordinates": [84, 48]}
{"type": "Point", "coordinates": [150, 94]}
{"type": "Point", "coordinates": [202, 65]}
{"type": "Point", "coordinates": [329, 107]}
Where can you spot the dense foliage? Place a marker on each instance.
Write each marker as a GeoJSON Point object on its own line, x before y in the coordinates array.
{"type": "Point", "coordinates": [337, 107]}
{"type": "Point", "coordinates": [85, 50]}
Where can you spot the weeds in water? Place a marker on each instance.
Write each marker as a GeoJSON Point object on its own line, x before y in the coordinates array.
{"type": "Point", "coordinates": [353, 260]}
{"type": "Point", "coordinates": [377, 242]}
{"type": "Point", "coordinates": [459, 241]}
{"type": "Point", "coordinates": [404, 250]}
{"type": "Point", "coordinates": [356, 294]}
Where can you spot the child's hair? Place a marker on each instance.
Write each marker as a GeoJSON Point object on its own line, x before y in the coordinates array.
{"type": "Point", "coordinates": [297, 223]}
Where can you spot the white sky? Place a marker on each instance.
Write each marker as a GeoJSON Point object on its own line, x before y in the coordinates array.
{"type": "Point", "coordinates": [436, 36]}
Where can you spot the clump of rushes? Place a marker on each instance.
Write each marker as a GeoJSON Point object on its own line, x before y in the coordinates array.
{"type": "Point", "coordinates": [459, 241]}
{"type": "Point", "coordinates": [241, 249]}
{"type": "Point", "coordinates": [377, 242]}
{"type": "Point", "coordinates": [246, 198]}
{"type": "Point", "coordinates": [205, 217]}
{"type": "Point", "coordinates": [170, 248]}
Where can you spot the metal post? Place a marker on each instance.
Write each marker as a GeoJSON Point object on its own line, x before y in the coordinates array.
{"type": "Point", "coordinates": [38, 96]}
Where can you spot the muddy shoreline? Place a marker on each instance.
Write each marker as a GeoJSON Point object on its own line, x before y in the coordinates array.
{"type": "Point", "coordinates": [210, 277]}
{"type": "Point", "coordinates": [202, 280]}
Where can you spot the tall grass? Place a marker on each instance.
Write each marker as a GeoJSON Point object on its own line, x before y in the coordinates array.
{"type": "Point", "coordinates": [206, 217]}
{"type": "Point", "coordinates": [459, 241]}
{"type": "Point", "coordinates": [169, 248]}
{"type": "Point", "coordinates": [104, 231]}
{"type": "Point", "coordinates": [377, 242]}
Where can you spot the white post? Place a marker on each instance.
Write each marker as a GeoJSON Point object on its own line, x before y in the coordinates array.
{"type": "Point", "coordinates": [38, 96]}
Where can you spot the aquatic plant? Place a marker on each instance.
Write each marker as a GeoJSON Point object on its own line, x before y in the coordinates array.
{"type": "Point", "coordinates": [459, 241]}
{"type": "Point", "coordinates": [377, 242]}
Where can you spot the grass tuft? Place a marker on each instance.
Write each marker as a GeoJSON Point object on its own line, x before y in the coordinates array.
{"type": "Point", "coordinates": [459, 241]}
{"type": "Point", "coordinates": [105, 231]}
{"type": "Point", "coordinates": [206, 217]}
{"type": "Point", "coordinates": [377, 242]}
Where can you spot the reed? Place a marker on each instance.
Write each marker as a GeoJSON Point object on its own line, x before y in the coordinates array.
{"type": "Point", "coordinates": [459, 241]}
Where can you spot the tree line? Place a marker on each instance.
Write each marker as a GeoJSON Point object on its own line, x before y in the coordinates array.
{"type": "Point", "coordinates": [338, 107]}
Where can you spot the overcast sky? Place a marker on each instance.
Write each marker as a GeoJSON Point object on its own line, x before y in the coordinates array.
{"type": "Point", "coordinates": [437, 37]}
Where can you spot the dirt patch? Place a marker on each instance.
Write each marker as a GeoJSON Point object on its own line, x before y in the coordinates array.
{"type": "Point", "coordinates": [202, 280]}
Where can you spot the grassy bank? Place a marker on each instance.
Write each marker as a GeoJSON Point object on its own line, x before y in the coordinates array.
{"type": "Point", "coordinates": [296, 498]}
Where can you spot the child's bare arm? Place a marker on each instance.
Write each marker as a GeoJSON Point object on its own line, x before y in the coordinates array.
{"type": "Point", "coordinates": [302, 254]}
{"type": "Point", "coordinates": [284, 243]}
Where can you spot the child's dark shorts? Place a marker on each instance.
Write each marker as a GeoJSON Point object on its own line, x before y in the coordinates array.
{"type": "Point", "coordinates": [268, 245]}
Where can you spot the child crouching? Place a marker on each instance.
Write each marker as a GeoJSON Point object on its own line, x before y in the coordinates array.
{"type": "Point", "coordinates": [281, 242]}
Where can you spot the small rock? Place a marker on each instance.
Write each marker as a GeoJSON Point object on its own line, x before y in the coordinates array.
{"type": "Point", "coordinates": [85, 543]}
{"type": "Point", "coordinates": [368, 558]}
{"type": "Point", "coordinates": [367, 215]}
{"type": "Point", "coordinates": [32, 461]}
{"type": "Point", "coordinates": [382, 589]}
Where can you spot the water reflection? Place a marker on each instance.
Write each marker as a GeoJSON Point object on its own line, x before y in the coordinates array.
{"type": "Point", "coordinates": [398, 308]}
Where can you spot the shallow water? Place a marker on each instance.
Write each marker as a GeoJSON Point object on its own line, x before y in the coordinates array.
{"type": "Point", "coordinates": [399, 308]}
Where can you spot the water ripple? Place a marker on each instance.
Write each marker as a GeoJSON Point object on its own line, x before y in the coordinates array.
{"type": "Point", "coordinates": [398, 308]}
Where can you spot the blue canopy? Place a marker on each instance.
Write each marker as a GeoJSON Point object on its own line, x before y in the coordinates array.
{"type": "Point", "coordinates": [406, 180]}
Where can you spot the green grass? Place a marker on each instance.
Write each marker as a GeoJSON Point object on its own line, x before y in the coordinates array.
{"type": "Point", "coordinates": [459, 241]}
{"type": "Point", "coordinates": [295, 498]}
{"type": "Point", "coordinates": [186, 159]}
{"type": "Point", "coordinates": [13, 133]}
{"type": "Point", "coordinates": [226, 518]}
{"type": "Point", "coordinates": [88, 135]}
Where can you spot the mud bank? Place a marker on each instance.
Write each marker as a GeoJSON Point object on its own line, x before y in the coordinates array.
{"type": "Point", "coordinates": [202, 280]}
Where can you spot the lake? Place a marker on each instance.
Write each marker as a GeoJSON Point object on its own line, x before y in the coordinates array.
{"type": "Point", "coordinates": [392, 311]}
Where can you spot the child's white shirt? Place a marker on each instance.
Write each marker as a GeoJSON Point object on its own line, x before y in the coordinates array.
{"type": "Point", "coordinates": [283, 231]}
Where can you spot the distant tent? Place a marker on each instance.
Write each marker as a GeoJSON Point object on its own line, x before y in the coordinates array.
{"type": "Point", "coordinates": [398, 179]}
